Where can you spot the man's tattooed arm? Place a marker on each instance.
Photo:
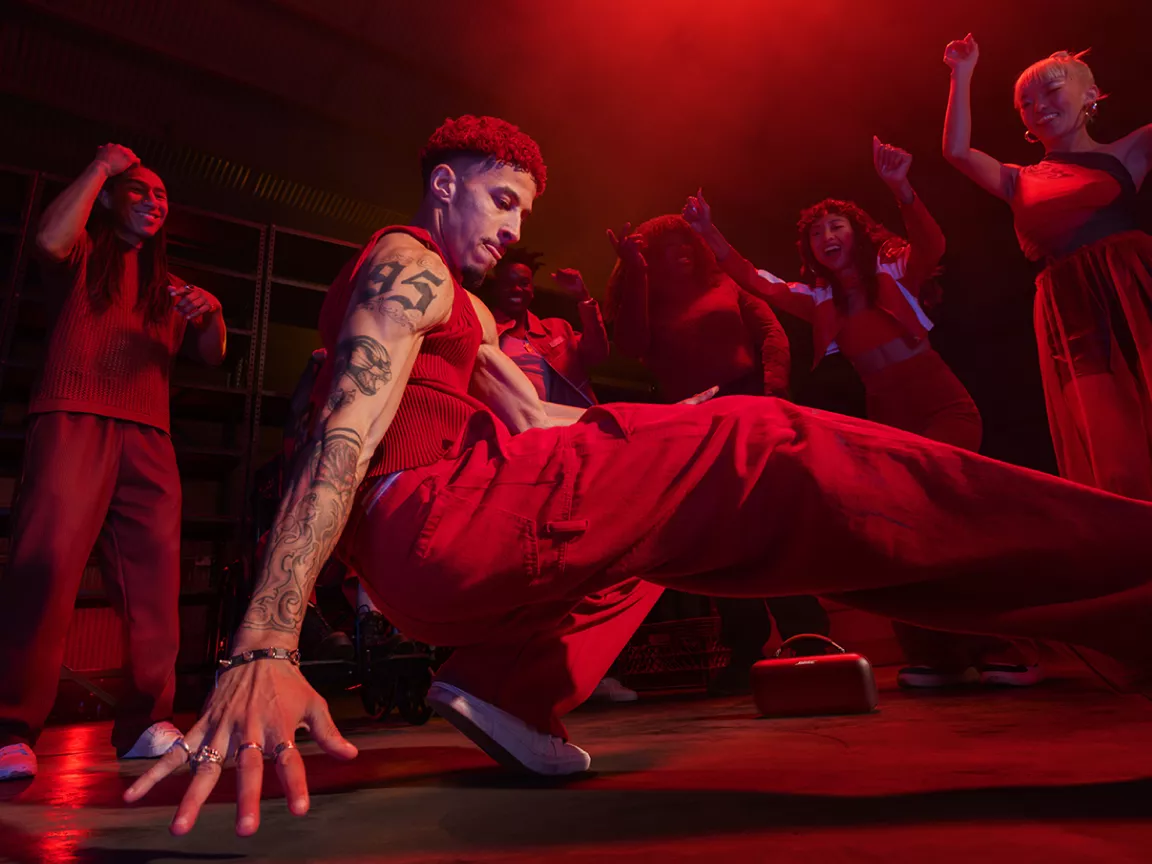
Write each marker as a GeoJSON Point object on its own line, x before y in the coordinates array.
{"type": "Point", "coordinates": [325, 475]}
{"type": "Point", "coordinates": [324, 484]}
{"type": "Point", "coordinates": [371, 363]}
{"type": "Point", "coordinates": [364, 367]}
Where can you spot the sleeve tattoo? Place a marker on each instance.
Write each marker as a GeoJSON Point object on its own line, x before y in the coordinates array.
{"type": "Point", "coordinates": [307, 532]}
{"type": "Point", "coordinates": [325, 475]}
{"type": "Point", "coordinates": [363, 366]}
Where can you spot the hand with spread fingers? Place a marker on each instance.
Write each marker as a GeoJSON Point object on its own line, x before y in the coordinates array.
{"type": "Point", "coordinates": [628, 245]}
{"type": "Point", "coordinates": [252, 715]}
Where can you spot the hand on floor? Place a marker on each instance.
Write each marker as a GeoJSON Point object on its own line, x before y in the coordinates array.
{"type": "Point", "coordinates": [259, 703]}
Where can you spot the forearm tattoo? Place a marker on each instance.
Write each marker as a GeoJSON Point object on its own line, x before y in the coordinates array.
{"type": "Point", "coordinates": [403, 300]}
{"type": "Point", "coordinates": [324, 482]}
{"type": "Point", "coordinates": [363, 366]}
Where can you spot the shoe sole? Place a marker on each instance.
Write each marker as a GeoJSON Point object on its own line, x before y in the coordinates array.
{"type": "Point", "coordinates": [1011, 679]}
{"type": "Point", "coordinates": [936, 682]}
{"type": "Point", "coordinates": [443, 703]}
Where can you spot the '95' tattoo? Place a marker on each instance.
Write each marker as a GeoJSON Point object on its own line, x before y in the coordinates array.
{"type": "Point", "coordinates": [382, 292]}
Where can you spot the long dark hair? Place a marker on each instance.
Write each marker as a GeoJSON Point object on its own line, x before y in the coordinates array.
{"type": "Point", "coordinates": [106, 265]}
{"type": "Point", "coordinates": [870, 240]}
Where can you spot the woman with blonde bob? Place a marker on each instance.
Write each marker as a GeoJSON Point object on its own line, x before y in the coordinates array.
{"type": "Point", "coordinates": [1075, 209]}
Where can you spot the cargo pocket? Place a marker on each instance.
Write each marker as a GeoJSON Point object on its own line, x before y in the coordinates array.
{"type": "Point", "coordinates": [475, 559]}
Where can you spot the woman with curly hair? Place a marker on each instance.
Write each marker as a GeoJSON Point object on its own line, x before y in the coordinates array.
{"type": "Point", "coordinates": [1076, 210]}
{"type": "Point", "coordinates": [862, 295]}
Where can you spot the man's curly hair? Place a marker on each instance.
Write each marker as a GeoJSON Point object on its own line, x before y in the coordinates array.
{"type": "Point", "coordinates": [486, 138]}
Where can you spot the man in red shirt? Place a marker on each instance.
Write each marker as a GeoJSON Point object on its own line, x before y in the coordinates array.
{"type": "Point", "coordinates": [99, 467]}
{"type": "Point", "coordinates": [514, 528]}
{"type": "Point", "coordinates": [555, 357]}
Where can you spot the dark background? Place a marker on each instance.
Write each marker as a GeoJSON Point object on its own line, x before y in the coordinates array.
{"type": "Point", "coordinates": [311, 113]}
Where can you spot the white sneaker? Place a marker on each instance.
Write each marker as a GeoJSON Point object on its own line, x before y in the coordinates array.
{"type": "Point", "coordinates": [155, 741]}
{"type": "Point", "coordinates": [17, 762]}
{"type": "Point", "coordinates": [611, 690]}
{"type": "Point", "coordinates": [507, 739]}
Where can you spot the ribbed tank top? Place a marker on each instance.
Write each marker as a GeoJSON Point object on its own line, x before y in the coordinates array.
{"type": "Point", "coordinates": [435, 405]}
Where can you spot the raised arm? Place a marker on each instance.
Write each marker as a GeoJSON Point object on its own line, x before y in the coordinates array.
{"type": "Point", "coordinates": [795, 299]}
{"type": "Point", "coordinates": [401, 292]}
{"type": "Point", "coordinates": [592, 340]}
{"type": "Point", "coordinates": [925, 239]}
{"type": "Point", "coordinates": [988, 173]}
{"type": "Point", "coordinates": [62, 224]}
{"type": "Point", "coordinates": [628, 294]}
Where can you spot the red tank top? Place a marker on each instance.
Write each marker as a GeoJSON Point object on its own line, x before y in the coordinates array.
{"type": "Point", "coordinates": [105, 361]}
{"type": "Point", "coordinates": [435, 405]}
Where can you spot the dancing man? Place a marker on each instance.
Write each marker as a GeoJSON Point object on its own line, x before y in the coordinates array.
{"type": "Point", "coordinates": [483, 518]}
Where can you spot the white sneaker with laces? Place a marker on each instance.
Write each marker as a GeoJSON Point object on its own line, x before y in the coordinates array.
{"type": "Point", "coordinates": [507, 739]}
{"type": "Point", "coordinates": [17, 762]}
{"type": "Point", "coordinates": [611, 690]}
{"type": "Point", "coordinates": [154, 741]}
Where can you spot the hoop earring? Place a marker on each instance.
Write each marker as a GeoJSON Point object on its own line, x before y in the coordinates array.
{"type": "Point", "coordinates": [1030, 138]}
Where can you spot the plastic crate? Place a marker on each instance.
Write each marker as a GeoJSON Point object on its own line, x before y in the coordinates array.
{"type": "Point", "coordinates": [674, 655]}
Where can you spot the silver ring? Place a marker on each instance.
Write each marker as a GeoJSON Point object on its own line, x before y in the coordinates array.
{"type": "Point", "coordinates": [282, 747]}
{"type": "Point", "coordinates": [205, 756]}
{"type": "Point", "coordinates": [249, 745]}
{"type": "Point", "coordinates": [180, 743]}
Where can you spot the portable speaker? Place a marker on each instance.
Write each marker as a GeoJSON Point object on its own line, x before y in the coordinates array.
{"type": "Point", "coordinates": [795, 684]}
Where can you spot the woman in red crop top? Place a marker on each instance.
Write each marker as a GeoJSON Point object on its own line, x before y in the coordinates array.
{"type": "Point", "coordinates": [862, 298]}
{"type": "Point", "coordinates": [1075, 209]}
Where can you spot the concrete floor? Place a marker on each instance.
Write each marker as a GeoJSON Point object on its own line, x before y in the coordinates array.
{"type": "Point", "coordinates": [1055, 774]}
